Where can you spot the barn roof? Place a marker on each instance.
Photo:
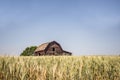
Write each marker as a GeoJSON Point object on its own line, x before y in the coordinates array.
{"type": "Point", "coordinates": [42, 47]}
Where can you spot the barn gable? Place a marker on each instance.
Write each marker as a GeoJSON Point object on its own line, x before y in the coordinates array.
{"type": "Point", "coordinates": [50, 48]}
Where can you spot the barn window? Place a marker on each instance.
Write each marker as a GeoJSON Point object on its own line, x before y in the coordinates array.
{"type": "Point", "coordinates": [53, 49]}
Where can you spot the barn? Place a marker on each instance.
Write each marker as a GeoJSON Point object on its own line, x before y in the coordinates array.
{"type": "Point", "coordinates": [50, 48]}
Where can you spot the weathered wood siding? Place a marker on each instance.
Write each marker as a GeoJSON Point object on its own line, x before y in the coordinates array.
{"type": "Point", "coordinates": [39, 53]}
{"type": "Point", "coordinates": [54, 49]}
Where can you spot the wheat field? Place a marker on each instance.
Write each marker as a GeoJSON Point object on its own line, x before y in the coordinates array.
{"type": "Point", "coordinates": [60, 68]}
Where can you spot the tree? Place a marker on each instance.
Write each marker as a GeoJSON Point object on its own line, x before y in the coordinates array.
{"type": "Point", "coordinates": [28, 51]}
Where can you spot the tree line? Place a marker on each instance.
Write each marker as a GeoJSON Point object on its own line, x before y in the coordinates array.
{"type": "Point", "coordinates": [28, 51]}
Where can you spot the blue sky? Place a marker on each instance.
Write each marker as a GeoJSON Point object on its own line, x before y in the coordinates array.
{"type": "Point", "coordinates": [83, 27]}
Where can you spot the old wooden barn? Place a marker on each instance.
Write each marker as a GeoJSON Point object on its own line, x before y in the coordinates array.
{"type": "Point", "coordinates": [50, 48]}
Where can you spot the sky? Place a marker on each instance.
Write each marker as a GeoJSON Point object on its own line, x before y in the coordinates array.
{"type": "Point", "coordinates": [83, 27]}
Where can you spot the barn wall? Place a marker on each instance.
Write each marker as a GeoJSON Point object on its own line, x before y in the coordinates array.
{"type": "Point", "coordinates": [54, 49]}
{"type": "Point", "coordinates": [39, 53]}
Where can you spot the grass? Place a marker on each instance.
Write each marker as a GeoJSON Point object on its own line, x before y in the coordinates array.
{"type": "Point", "coordinates": [60, 68]}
